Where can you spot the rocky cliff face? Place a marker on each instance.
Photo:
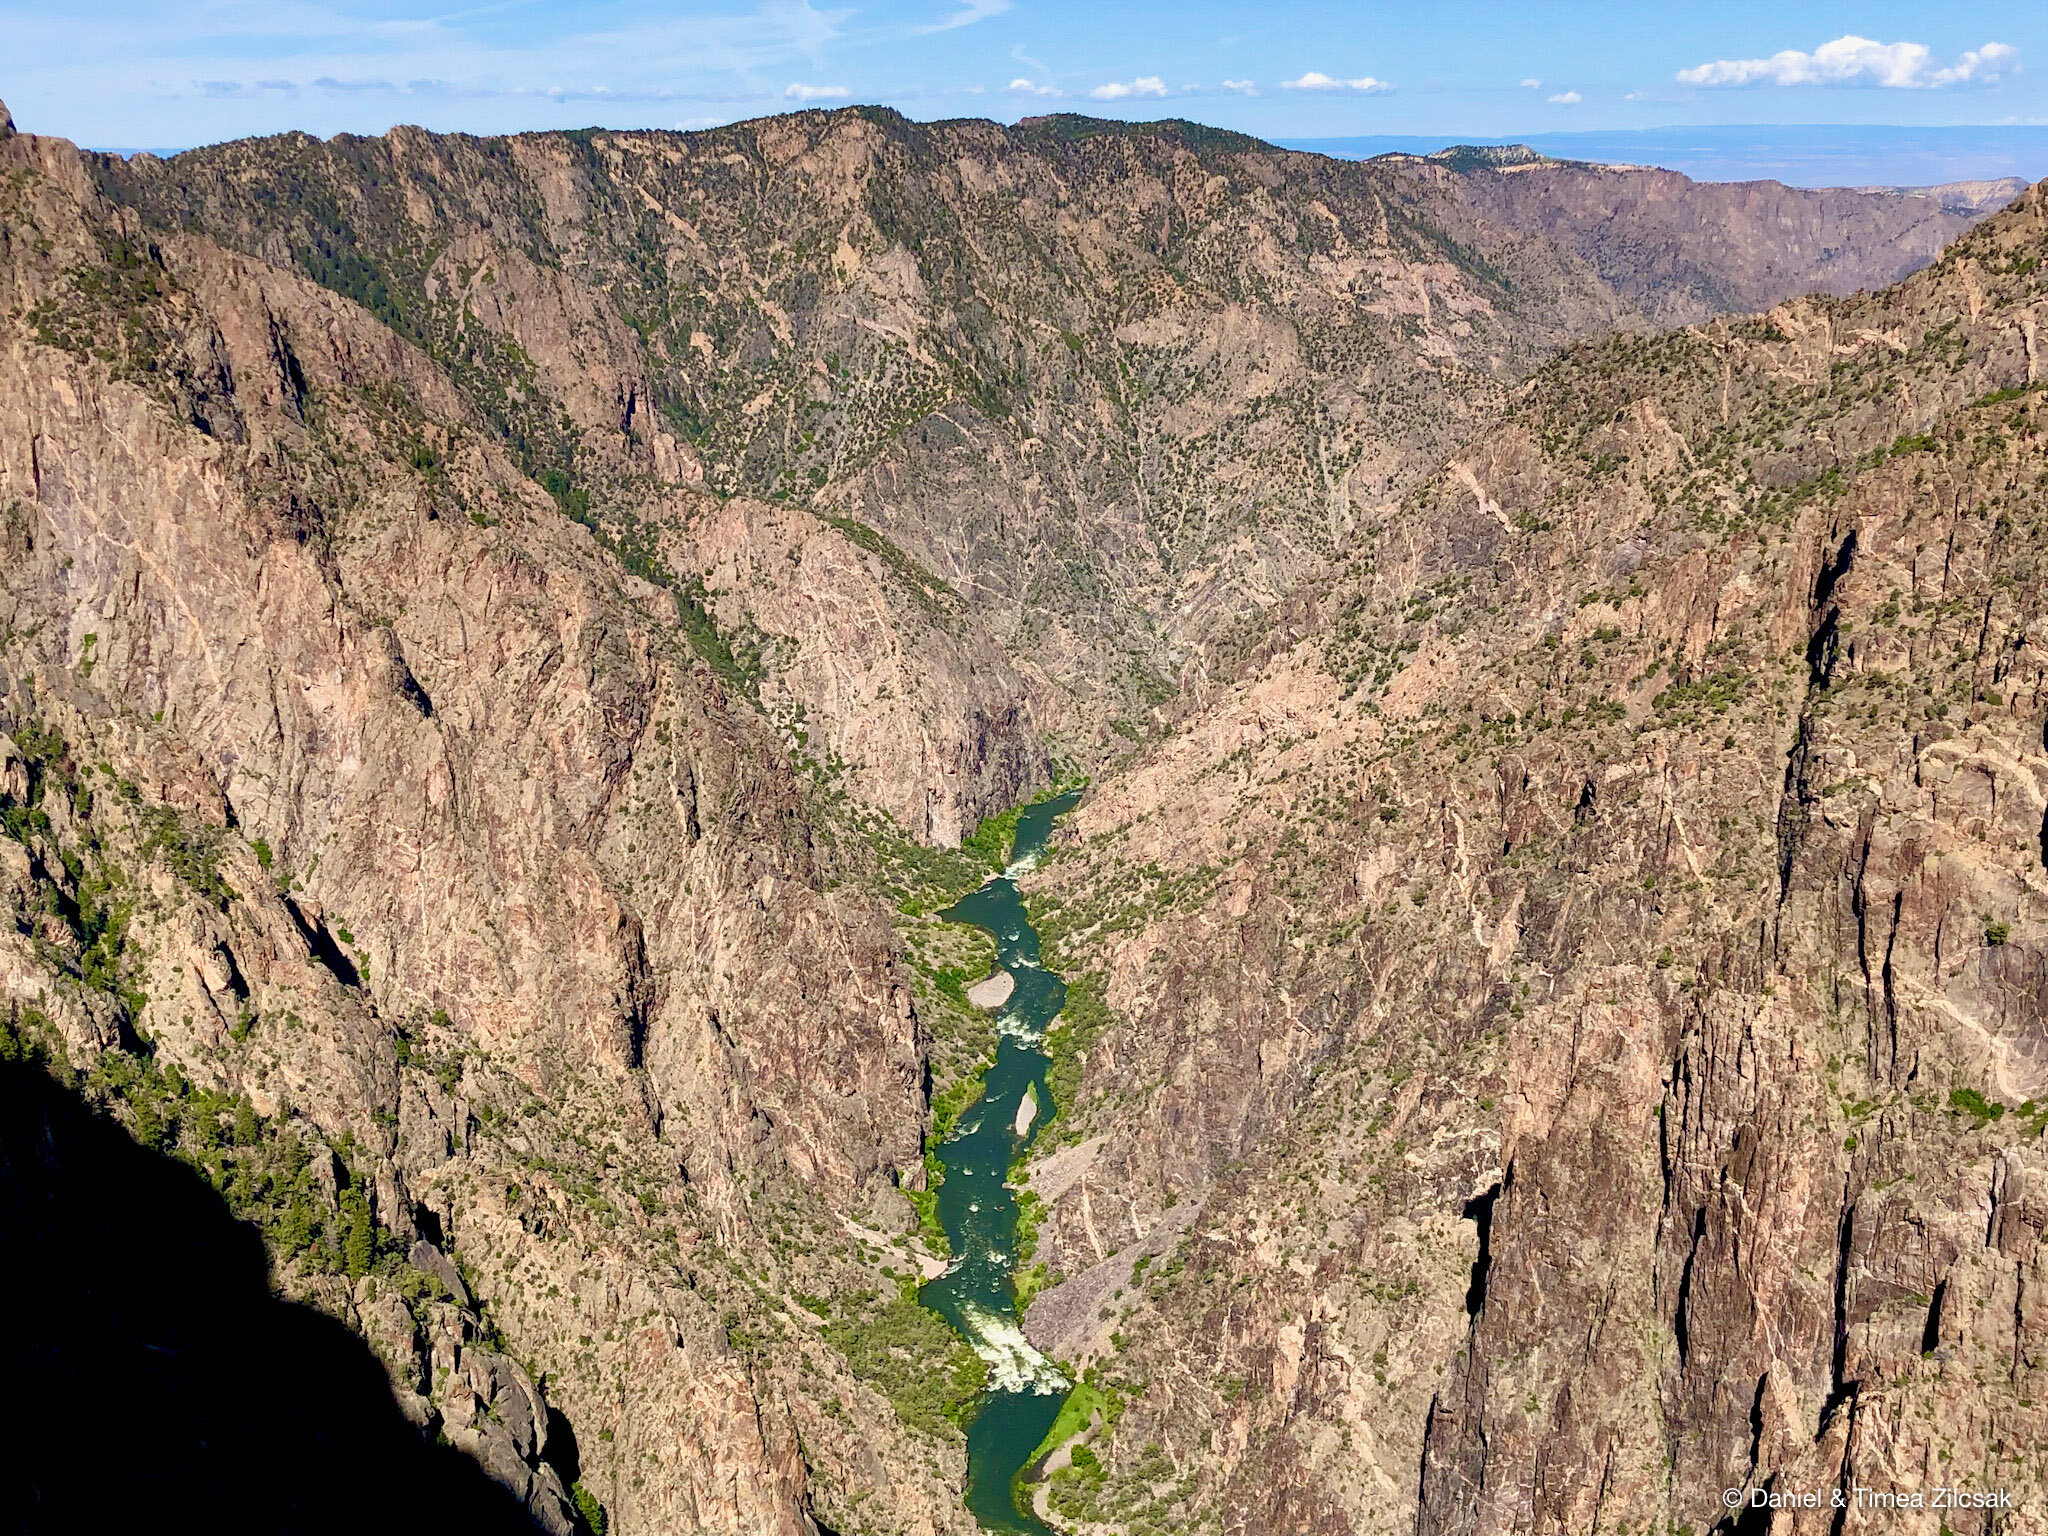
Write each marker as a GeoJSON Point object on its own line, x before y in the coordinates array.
{"type": "Point", "coordinates": [497, 639]}
{"type": "Point", "coordinates": [385, 847]}
{"type": "Point", "coordinates": [1678, 251]}
{"type": "Point", "coordinates": [1575, 992]}
{"type": "Point", "coordinates": [1114, 386]}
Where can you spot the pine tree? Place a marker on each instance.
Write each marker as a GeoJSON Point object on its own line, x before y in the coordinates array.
{"type": "Point", "coordinates": [297, 1232]}
{"type": "Point", "coordinates": [151, 1128]}
{"type": "Point", "coordinates": [358, 1235]}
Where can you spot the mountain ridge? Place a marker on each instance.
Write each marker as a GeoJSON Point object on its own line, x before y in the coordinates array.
{"type": "Point", "coordinates": [1005, 292]}
{"type": "Point", "coordinates": [501, 859]}
{"type": "Point", "coordinates": [1617, 881]}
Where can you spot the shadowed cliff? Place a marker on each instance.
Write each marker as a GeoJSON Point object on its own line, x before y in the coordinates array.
{"type": "Point", "coordinates": [162, 1374]}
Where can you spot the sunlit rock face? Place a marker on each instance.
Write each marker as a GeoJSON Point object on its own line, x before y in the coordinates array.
{"type": "Point", "coordinates": [501, 641]}
{"type": "Point", "coordinates": [1585, 963]}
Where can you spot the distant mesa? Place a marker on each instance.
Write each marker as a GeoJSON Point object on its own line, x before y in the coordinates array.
{"type": "Point", "coordinates": [1466, 158]}
{"type": "Point", "coordinates": [1489, 157]}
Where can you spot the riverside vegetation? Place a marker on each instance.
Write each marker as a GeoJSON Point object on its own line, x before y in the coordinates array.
{"type": "Point", "coordinates": [509, 647]}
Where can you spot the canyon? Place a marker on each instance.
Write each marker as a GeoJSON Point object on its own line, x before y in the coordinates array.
{"type": "Point", "coordinates": [509, 646]}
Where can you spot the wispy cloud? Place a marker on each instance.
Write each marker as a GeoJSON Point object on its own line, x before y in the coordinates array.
{"type": "Point", "coordinates": [1242, 87]}
{"type": "Point", "coordinates": [444, 90]}
{"type": "Point", "coordinates": [329, 64]}
{"type": "Point", "coordinates": [1532, 84]}
{"type": "Point", "coordinates": [969, 13]}
{"type": "Point", "coordinates": [1854, 60]}
{"type": "Point", "coordinates": [1565, 98]}
{"type": "Point", "coordinates": [231, 88]}
{"type": "Point", "coordinates": [1117, 90]}
{"type": "Point", "coordinates": [1316, 80]}
{"type": "Point", "coordinates": [798, 91]}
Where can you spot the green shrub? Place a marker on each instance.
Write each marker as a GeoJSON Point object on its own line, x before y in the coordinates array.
{"type": "Point", "coordinates": [295, 1232]}
{"type": "Point", "coordinates": [1968, 1101]}
{"type": "Point", "coordinates": [588, 1510]}
{"type": "Point", "coordinates": [1083, 1020]}
{"type": "Point", "coordinates": [992, 840]}
{"type": "Point", "coordinates": [926, 1203]}
{"type": "Point", "coordinates": [358, 1235]}
{"type": "Point", "coordinates": [911, 1356]}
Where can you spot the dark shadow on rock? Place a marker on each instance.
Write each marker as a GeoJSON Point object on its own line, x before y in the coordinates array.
{"type": "Point", "coordinates": [563, 1453]}
{"type": "Point", "coordinates": [155, 1381]}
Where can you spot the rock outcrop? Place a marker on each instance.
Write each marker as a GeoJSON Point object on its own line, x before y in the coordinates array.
{"type": "Point", "coordinates": [383, 844]}
{"type": "Point", "coordinates": [1585, 968]}
{"type": "Point", "coordinates": [500, 641]}
{"type": "Point", "coordinates": [1678, 250]}
{"type": "Point", "coordinates": [1115, 387]}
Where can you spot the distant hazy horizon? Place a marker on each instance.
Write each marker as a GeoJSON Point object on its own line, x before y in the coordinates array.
{"type": "Point", "coordinates": [1801, 155]}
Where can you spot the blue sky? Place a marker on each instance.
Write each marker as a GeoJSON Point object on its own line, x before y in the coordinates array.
{"type": "Point", "coordinates": [177, 72]}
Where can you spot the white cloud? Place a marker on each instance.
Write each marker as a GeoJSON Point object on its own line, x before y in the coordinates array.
{"type": "Point", "coordinates": [1982, 64]}
{"type": "Point", "coordinates": [1242, 87]}
{"type": "Point", "coordinates": [969, 13]}
{"type": "Point", "coordinates": [1116, 90]}
{"type": "Point", "coordinates": [1855, 60]}
{"type": "Point", "coordinates": [1566, 98]}
{"type": "Point", "coordinates": [1024, 87]}
{"type": "Point", "coordinates": [1316, 80]}
{"type": "Point", "coordinates": [1532, 84]}
{"type": "Point", "coordinates": [801, 92]}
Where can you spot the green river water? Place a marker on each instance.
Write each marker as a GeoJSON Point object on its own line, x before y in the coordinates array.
{"type": "Point", "coordinates": [979, 1210]}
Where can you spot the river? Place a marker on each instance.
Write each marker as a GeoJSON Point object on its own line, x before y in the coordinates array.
{"type": "Point", "coordinates": [978, 1208]}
